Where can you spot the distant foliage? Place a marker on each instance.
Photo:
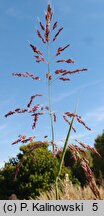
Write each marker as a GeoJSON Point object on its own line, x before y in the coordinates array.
{"type": "Point", "coordinates": [7, 186]}
{"type": "Point", "coordinates": [75, 167]}
{"type": "Point", "coordinates": [36, 173]}
{"type": "Point", "coordinates": [98, 162]}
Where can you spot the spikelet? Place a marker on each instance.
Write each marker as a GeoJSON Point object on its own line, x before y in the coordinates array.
{"type": "Point", "coordinates": [60, 71]}
{"type": "Point", "coordinates": [61, 49]}
{"type": "Point", "coordinates": [9, 113]}
{"type": "Point", "coordinates": [42, 27]}
{"type": "Point", "coordinates": [88, 147]}
{"type": "Point", "coordinates": [54, 115]}
{"type": "Point", "coordinates": [32, 98]}
{"type": "Point", "coordinates": [39, 59]}
{"type": "Point", "coordinates": [35, 49]}
{"type": "Point", "coordinates": [67, 61]}
{"type": "Point", "coordinates": [36, 117]}
{"type": "Point", "coordinates": [56, 35]}
{"type": "Point", "coordinates": [64, 79]}
{"type": "Point", "coordinates": [40, 36]}
{"type": "Point", "coordinates": [74, 71]}
{"type": "Point", "coordinates": [55, 25]}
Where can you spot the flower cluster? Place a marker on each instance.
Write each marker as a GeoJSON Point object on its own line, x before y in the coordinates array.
{"type": "Point", "coordinates": [35, 111]}
{"type": "Point", "coordinates": [77, 153]}
{"type": "Point", "coordinates": [90, 177]}
{"type": "Point", "coordinates": [48, 18]}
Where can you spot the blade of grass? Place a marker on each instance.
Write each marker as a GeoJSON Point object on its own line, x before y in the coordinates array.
{"type": "Point", "coordinates": [62, 158]}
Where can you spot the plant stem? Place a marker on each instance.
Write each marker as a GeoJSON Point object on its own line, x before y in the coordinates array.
{"type": "Point", "coordinates": [62, 159]}
{"type": "Point", "coordinates": [49, 98]}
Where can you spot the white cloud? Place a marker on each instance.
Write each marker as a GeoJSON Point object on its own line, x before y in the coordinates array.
{"type": "Point", "coordinates": [96, 115]}
{"type": "Point", "coordinates": [84, 137]}
{"type": "Point", "coordinates": [14, 13]}
{"type": "Point", "coordinates": [81, 135]}
{"type": "Point", "coordinates": [59, 98]}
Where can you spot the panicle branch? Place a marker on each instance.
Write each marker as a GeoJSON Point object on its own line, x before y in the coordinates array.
{"type": "Point", "coordinates": [56, 35]}
{"type": "Point", "coordinates": [61, 49]}
{"type": "Point", "coordinates": [64, 79]}
{"type": "Point", "coordinates": [79, 119]}
{"type": "Point", "coordinates": [23, 139]}
{"type": "Point", "coordinates": [60, 71]}
{"type": "Point", "coordinates": [86, 167]}
{"type": "Point", "coordinates": [32, 98]}
{"type": "Point", "coordinates": [36, 117]}
{"type": "Point", "coordinates": [74, 71]}
{"type": "Point", "coordinates": [40, 36]}
{"type": "Point", "coordinates": [18, 110]}
{"type": "Point", "coordinates": [55, 25]}
{"type": "Point", "coordinates": [88, 147]}
{"type": "Point", "coordinates": [27, 74]}
{"type": "Point", "coordinates": [67, 61]}
{"type": "Point", "coordinates": [90, 178]}
{"type": "Point", "coordinates": [36, 50]}
{"type": "Point", "coordinates": [41, 25]}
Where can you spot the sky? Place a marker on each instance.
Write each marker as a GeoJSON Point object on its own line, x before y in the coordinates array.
{"type": "Point", "coordinates": [83, 22]}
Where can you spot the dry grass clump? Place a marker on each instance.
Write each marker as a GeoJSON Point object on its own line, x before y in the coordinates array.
{"type": "Point", "coordinates": [68, 191]}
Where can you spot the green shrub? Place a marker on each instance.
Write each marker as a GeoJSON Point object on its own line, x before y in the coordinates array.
{"type": "Point", "coordinates": [37, 173]}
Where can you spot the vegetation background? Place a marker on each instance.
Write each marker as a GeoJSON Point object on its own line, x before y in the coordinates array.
{"type": "Point", "coordinates": [41, 173]}
{"type": "Point", "coordinates": [37, 175]}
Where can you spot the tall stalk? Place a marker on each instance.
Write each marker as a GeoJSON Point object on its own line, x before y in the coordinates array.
{"type": "Point", "coordinates": [49, 97]}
